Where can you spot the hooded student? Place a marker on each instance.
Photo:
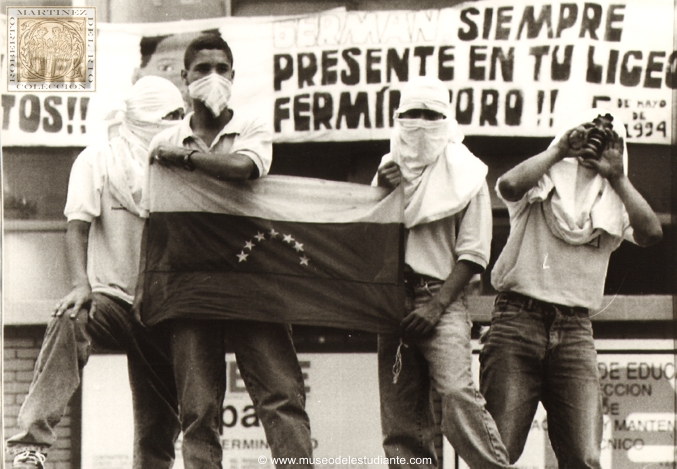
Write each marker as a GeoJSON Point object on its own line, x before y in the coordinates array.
{"type": "Point", "coordinates": [103, 242]}
{"type": "Point", "coordinates": [448, 219]}
{"type": "Point", "coordinates": [569, 210]}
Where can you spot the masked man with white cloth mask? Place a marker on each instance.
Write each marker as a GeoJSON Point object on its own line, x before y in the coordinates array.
{"type": "Point", "coordinates": [103, 241]}
{"type": "Point", "coordinates": [568, 212]}
{"type": "Point", "coordinates": [218, 142]}
{"type": "Point", "coordinates": [448, 219]}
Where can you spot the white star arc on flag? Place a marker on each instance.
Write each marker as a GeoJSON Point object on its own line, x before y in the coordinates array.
{"type": "Point", "coordinates": [242, 257]}
{"type": "Point", "coordinates": [286, 238]}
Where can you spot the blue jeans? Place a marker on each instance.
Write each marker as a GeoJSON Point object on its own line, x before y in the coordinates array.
{"type": "Point", "coordinates": [65, 350]}
{"type": "Point", "coordinates": [269, 366]}
{"type": "Point", "coordinates": [537, 351]}
{"type": "Point", "coordinates": [441, 361]}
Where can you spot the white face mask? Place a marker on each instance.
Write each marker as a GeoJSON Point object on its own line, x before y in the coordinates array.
{"type": "Point", "coordinates": [145, 130]}
{"type": "Point", "coordinates": [417, 143]}
{"type": "Point", "coordinates": [214, 90]}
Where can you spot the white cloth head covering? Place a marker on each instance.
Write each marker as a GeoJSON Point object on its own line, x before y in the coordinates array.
{"type": "Point", "coordinates": [583, 203]}
{"type": "Point", "coordinates": [424, 93]}
{"type": "Point", "coordinates": [150, 99]}
{"type": "Point", "coordinates": [440, 175]}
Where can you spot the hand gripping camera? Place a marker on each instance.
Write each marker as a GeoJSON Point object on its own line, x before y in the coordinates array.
{"type": "Point", "coordinates": [598, 137]}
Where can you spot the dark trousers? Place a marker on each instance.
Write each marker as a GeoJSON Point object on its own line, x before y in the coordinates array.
{"type": "Point", "coordinates": [537, 351]}
{"type": "Point", "coordinates": [65, 350]}
{"type": "Point", "coordinates": [270, 369]}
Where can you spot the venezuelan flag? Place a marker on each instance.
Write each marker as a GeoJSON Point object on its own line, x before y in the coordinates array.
{"type": "Point", "coordinates": [279, 249]}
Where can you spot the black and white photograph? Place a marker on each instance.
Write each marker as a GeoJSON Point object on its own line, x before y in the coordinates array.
{"type": "Point", "coordinates": [258, 234]}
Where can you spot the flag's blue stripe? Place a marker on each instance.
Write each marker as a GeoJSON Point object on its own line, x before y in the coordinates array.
{"type": "Point", "coordinates": [208, 242]}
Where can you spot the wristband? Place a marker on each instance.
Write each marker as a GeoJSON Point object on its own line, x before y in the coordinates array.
{"type": "Point", "coordinates": [188, 164]}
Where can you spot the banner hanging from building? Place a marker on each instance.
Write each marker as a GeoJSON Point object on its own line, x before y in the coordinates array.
{"type": "Point", "coordinates": [512, 69]}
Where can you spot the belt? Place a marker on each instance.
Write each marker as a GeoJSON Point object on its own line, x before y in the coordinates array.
{"type": "Point", "coordinates": [527, 302]}
{"type": "Point", "coordinates": [413, 279]}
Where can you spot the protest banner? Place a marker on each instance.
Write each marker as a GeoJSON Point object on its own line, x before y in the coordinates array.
{"type": "Point", "coordinates": [512, 70]}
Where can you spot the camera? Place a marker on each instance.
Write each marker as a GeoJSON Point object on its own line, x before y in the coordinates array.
{"type": "Point", "coordinates": [597, 137]}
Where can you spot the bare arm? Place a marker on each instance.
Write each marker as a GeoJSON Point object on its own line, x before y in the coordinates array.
{"type": "Point", "coordinates": [422, 321]}
{"type": "Point", "coordinates": [646, 227]}
{"type": "Point", "coordinates": [80, 296]}
{"type": "Point", "coordinates": [520, 179]}
{"type": "Point", "coordinates": [645, 224]}
{"type": "Point", "coordinates": [235, 166]}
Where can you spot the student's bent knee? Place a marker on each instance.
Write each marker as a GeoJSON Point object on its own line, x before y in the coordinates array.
{"type": "Point", "coordinates": [61, 324]}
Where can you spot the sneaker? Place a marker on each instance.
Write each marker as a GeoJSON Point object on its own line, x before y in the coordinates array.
{"type": "Point", "coordinates": [29, 459]}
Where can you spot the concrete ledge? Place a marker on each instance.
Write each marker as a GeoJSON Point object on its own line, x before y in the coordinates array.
{"type": "Point", "coordinates": [618, 308]}
{"type": "Point", "coordinates": [27, 313]}
{"type": "Point", "coordinates": [34, 225]}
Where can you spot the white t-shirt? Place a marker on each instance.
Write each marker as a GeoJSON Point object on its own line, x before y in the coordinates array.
{"type": "Point", "coordinates": [246, 135]}
{"type": "Point", "coordinates": [434, 248]}
{"type": "Point", "coordinates": [536, 263]}
{"type": "Point", "coordinates": [115, 233]}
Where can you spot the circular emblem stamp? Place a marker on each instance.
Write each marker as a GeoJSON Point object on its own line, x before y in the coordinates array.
{"type": "Point", "coordinates": [52, 50]}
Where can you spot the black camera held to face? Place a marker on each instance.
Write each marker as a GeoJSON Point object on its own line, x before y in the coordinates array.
{"type": "Point", "coordinates": [599, 133]}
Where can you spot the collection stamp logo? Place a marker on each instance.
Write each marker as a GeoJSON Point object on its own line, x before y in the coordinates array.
{"type": "Point", "coordinates": [51, 49]}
